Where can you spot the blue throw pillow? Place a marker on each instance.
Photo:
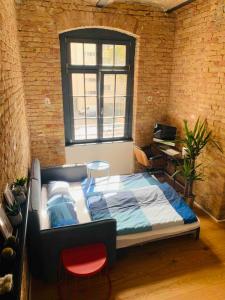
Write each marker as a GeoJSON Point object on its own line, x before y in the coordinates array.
{"type": "Point", "coordinates": [88, 186]}
{"type": "Point", "coordinates": [58, 199]}
{"type": "Point", "coordinates": [62, 214]}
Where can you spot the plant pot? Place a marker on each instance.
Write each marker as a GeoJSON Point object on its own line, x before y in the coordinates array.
{"type": "Point", "coordinates": [20, 198]}
{"type": "Point", "coordinates": [7, 263]}
{"type": "Point", "coordinates": [16, 220]}
{"type": "Point", "coordinates": [24, 189]}
{"type": "Point", "coordinates": [11, 242]}
{"type": "Point", "coordinates": [190, 200]}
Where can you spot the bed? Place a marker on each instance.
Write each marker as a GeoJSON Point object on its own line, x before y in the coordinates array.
{"type": "Point", "coordinates": [46, 242]}
{"type": "Point", "coordinates": [144, 209]}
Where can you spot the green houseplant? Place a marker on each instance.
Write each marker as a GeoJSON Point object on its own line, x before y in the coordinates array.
{"type": "Point", "coordinates": [8, 254]}
{"type": "Point", "coordinates": [14, 213]}
{"type": "Point", "coordinates": [19, 189]}
{"type": "Point", "coordinates": [21, 181]}
{"type": "Point", "coordinates": [7, 259]}
{"type": "Point", "coordinates": [11, 242]}
{"type": "Point", "coordinates": [194, 142]}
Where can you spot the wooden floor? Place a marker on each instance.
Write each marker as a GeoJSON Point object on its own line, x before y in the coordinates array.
{"type": "Point", "coordinates": [180, 268]}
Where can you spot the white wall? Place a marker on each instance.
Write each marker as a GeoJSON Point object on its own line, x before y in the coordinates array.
{"type": "Point", "coordinates": [118, 154]}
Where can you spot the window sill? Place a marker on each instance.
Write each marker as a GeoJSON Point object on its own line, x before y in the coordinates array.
{"type": "Point", "coordinates": [99, 143]}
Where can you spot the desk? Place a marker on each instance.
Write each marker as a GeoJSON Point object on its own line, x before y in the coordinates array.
{"type": "Point", "coordinates": [172, 159]}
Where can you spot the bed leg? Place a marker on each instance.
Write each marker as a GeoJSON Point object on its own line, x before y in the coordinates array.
{"type": "Point", "coordinates": [197, 233]}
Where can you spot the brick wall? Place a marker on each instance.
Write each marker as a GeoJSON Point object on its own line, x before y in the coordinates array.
{"type": "Point", "coordinates": [14, 148]}
{"type": "Point", "coordinates": [40, 23]}
{"type": "Point", "coordinates": [198, 88]}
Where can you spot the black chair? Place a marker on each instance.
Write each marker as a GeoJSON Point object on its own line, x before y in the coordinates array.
{"type": "Point", "coordinates": [152, 163]}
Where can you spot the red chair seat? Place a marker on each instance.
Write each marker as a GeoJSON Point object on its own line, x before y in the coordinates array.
{"type": "Point", "coordinates": [84, 260]}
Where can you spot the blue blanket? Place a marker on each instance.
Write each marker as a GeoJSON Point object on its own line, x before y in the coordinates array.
{"type": "Point", "coordinates": [138, 202]}
{"type": "Point", "coordinates": [91, 186]}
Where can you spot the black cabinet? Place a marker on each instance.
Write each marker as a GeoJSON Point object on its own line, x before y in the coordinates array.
{"type": "Point", "coordinates": [18, 264]}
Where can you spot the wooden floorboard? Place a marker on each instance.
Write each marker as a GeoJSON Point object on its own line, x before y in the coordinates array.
{"type": "Point", "coordinates": [179, 268]}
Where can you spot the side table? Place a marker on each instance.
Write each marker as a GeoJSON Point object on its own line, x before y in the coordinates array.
{"type": "Point", "coordinates": [97, 165]}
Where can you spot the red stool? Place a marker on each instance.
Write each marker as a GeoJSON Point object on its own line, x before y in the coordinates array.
{"type": "Point", "coordinates": [83, 261]}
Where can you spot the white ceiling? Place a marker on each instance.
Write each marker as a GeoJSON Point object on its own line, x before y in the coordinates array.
{"type": "Point", "coordinates": [163, 4]}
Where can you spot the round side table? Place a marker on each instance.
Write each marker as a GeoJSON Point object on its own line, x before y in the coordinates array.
{"type": "Point", "coordinates": [97, 165]}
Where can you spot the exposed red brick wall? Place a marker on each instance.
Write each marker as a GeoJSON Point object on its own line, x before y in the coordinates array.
{"type": "Point", "coordinates": [40, 23]}
{"type": "Point", "coordinates": [14, 141]}
{"type": "Point", "coordinates": [198, 88]}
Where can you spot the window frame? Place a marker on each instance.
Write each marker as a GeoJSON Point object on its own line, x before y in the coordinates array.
{"type": "Point", "coordinates": [99, 37]}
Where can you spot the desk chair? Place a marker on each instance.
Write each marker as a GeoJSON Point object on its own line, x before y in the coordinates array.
{"type": "Point", "coordinates": [153, 164]}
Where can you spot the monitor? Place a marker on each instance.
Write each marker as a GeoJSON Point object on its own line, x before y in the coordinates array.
{"type": "Point", "coordinates": [165, 134]}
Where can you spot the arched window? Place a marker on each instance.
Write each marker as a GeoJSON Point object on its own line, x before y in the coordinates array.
{"type": "Point", "coordinates": [97, 77]}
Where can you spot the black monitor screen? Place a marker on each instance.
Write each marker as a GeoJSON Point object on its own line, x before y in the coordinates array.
{"type": "Point", "coordinates": [165, 132]}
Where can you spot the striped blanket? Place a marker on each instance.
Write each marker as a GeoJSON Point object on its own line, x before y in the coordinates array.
{"type": "Point", "coordinates": [138, 202]}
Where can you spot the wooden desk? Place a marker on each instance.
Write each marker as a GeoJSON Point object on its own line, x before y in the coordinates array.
{"type": "Point", "coordinates": [171, 162]}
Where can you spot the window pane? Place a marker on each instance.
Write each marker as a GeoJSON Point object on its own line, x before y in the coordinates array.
{"type": "Point", "coordinates": [90, 85]}
{"type": "Point", "coordinates": [107, 127]}
{"type": "Point", "coordinates": [119, 127]}
{"type": "Point", "coordinates": [120, 106]}
{"type": "Point", "coordinates": [107, 55]}
{"type": "Point", "coordinates": [76, 50]}
{"type": "Point", "coordinates": [121, 84]}
{"type": "Point", "coordinates": [78, 107]}
{"type": "Point", "coordinates": [78, 84]}
{"type": "Point", "coordinates": [79, 128]}
{"type": "Point", "coordinates": [90, 54]}
{"type": "Point", "coordinates": [91, 107]}
{"type": "Point", "coordinates": [109, 85]}
{"type": "Point", "coordinates": [120, 55]}
{"type": "Point", "coordinates": [92, 128]}
{"type": "Point", "coordinates": [108, 107]}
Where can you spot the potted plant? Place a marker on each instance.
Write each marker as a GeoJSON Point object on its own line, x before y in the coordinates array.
{"type": "Point", "coordinates": [11, 242]}
{"type": "Point", "coordinates": [19, 189]}
{"type": "Point", "coordinates": [7, 258]}
{"type": "Point", "coordinates": [14, 213]}
{"type": "Point", "coordinates": [194, 142]}
{"type": "Point", "coordinates": [22, 183]}
{"type": "Point", "coordinates": [8, 254]}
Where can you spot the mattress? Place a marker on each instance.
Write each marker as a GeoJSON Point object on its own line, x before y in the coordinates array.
{"type": "Point", "coordinates": [127, 240]}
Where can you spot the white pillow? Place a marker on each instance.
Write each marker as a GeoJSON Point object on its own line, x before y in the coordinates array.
{"type": "Point", "coordinates": [58, 187]}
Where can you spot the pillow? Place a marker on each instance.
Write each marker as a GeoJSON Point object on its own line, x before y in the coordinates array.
{"type": "Point", "coordinates": [62, 214]}
{"type": "Point", "coordinates": [88, 186]}
{"type": "Point", "coordinates": [58, 199]}
{"type": "Point", "coordinates": [58, 187]}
